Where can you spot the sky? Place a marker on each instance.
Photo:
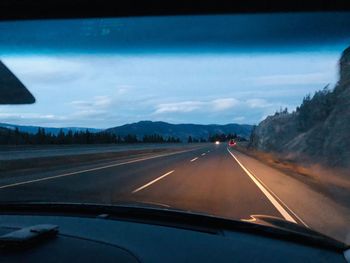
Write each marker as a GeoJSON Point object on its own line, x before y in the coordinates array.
{"type": "Point", "coordinates": [105, 73]}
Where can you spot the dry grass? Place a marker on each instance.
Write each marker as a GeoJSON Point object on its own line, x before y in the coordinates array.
{"type": "Point", "coordinates": [328, 176]}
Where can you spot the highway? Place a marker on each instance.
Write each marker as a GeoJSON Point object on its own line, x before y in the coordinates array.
{"type": "Point", "coordinates": [32, 151]}
{"type": "Point", "coordinates": [209, 179]}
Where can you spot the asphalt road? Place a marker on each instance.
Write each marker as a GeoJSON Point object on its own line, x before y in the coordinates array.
{"type": "Point", "coordinates": [208, 180]}
{"type": "Point", "coordinates": [29, 151]}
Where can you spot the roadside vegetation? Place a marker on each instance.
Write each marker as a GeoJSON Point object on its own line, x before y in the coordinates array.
{"type": "Point", "coordinates": [317, 132]}
{"type": "Point", "coordinates": [41, 137]}
{"type": "Point", "coordinates": [16, 137]}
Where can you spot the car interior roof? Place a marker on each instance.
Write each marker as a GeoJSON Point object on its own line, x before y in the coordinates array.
{"type": "Point", "coordinates": [42, 9]}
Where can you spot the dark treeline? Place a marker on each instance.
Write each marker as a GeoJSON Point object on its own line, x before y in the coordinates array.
{"type": "Point", "coordinates": [16, 137]}
{"type": "Point", "coordinates": [222, 137]}
{"type": "Point", "coordinates": [155, 138]}
{"type": "Point", "coordinates": [225, 137]}
{"type": "Point", "coordinates": [8, 136]}
{"type": "Point", "coordinates": [195, 140]}
{"type": "Point", "coordinates": [315, 109]}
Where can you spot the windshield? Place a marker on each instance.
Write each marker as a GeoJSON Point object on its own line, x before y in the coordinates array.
{"type": "Point", "coordinates": [232, 116]}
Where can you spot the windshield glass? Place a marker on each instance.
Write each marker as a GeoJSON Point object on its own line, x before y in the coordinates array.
{"type": "Point", "coordinates": [228, 115]}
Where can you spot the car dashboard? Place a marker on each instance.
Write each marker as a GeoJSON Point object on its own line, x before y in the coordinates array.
{"type": "Point", "coordinates": [102, 238]}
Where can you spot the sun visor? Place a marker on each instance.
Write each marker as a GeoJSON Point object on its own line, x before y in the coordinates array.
{"type": "Point", "coordinates": [12, 91]}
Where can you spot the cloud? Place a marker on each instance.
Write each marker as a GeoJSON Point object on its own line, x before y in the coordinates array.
{"type": "Point", "coordinates": [190, 106]}
{"type": "Point", "coordinates": [32, 118]}
{"type": "Point", "coordinates": [87, 114]}
{"type": "Point", "coordinates": [185, 106]}
{"type": "Point", "coordinates": [96, 102]}
{"type": "Point", "coordinates": [44, 70]}
{"type": "Point", "coordinates": [239, 118]}
{"type": "Point", "coordinates": [102, 101]}
{"type": "Point", "coordinates": [258, 103]}
{"type": "Point", "coordinates": [112, 89]}
{"type": "Point", "coordinates": [81, 104]}
{"type": "Point", "coordinates": [224, 104]}
{"type": "Point", "coordinates": [97, 107]}
{"type": "Point", "coordinates": [123, 89]}
{"type": "Point", "coordinates": [293, 79]}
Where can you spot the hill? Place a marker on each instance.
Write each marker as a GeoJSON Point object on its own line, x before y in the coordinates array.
{"type": "Point", "coordinates": [181, 131]}
{"type": "Point", "coordinates": [318, 131]}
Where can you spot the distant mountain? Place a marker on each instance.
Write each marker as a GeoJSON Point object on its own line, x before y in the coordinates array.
{"type": "Point", "coordinates": [55, 131]}
{"type": "Point", "coordinates": [181, 131]}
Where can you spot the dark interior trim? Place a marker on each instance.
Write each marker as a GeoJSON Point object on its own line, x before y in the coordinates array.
{"type": "Point", "coordinates": [171, 218]}
{"type": "Point", "coordinates": [47, 9]}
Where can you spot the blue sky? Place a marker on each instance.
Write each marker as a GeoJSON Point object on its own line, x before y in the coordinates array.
{"type": "Point", "coordinates": [105, 87]}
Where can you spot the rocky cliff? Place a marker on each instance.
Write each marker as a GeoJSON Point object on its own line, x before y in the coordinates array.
{"type": "Point", "coordinates": [318, 131]}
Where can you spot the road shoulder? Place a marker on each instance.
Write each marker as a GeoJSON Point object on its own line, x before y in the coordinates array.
{"type": "Point", "coordinates": [319, 211]}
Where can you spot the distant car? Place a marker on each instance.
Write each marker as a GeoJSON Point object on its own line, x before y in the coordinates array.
{"type": "Point", "coordinates": [232, 143]}
{"type": "Point", "coordinates": [217, 142]}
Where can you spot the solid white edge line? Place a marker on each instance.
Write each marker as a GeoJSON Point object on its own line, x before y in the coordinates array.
{"type": "Point", "coordinates": [152, 182]}
{"type": "Point", "coordinates": [92, 169]}
{"type": "Point", "coordinates": [203, 154]}
{"type": "Point", "coordinates": [194, 159]}
{"type": "Point", "coordinates": [279, 199]}
{"type": "Point", "coordinates": [274, 202]}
